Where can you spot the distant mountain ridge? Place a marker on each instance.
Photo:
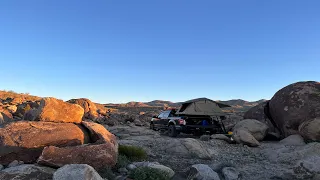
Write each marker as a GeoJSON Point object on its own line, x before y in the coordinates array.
{"type": "Point", "coordinates": [236, 104]}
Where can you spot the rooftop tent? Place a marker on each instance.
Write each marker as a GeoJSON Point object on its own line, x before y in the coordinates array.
{"type": "Point", "coordinates": [202, 106]}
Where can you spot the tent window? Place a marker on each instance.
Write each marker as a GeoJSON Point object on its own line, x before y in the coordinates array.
{"type": "Point", "coordinates": [184, 107]}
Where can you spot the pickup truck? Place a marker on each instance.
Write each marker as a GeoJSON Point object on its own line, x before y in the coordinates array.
{"type": "Point", "coordinates": [189, 124]}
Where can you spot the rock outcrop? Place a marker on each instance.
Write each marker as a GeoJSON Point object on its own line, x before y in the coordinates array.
{"type": "Point", "coordinates": [90, 109]}
{"type": "Point", "coordinates": [55, 110]}
{"type": "Point", "coordinates": [25, 140]}
{"type": "Point", "coordinates": [295, 104]}
{"type": "Point", "coordinates": [104, 146]}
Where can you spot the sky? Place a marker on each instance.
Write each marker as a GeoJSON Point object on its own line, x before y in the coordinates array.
{"type": "Point", "coordinates": [124, 50]}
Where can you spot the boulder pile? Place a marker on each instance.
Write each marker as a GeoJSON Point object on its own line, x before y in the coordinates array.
{"type": "Point", "coordinates": [55, 135]}
{"type": "Point", "coordinates": [293, 110]}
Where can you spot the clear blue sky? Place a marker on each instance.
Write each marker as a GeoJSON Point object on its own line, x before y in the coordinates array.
{"type": "Point", "coordinates": [119, 51]}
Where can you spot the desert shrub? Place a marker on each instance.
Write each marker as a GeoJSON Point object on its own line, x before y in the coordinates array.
{"type": "Point", "coordinates": [147, 173]}
{"type": "Point", "coordinates": [133, 153]}
{"type": "Point", "coordinates": [122, 162]}
{"type": "Point", "coordinates": [107, 173]}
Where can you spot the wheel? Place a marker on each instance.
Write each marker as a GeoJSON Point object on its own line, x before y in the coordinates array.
{"type": "Point", "coordinates": [172, 131]}
{"type": "Point", "coordinates": [152, 126]}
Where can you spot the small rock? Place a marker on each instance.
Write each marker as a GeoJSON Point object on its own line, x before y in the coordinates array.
{"type": "Point", "coordinates": [205, 138]}
{"type": "Point", "coordinates": [137, 122]}
{"type": "Point", "coordinates": [21, 162]}
{"type": "Point", "coordinates": [27, 171]}
{"type": "Point", "coordinates": [13, 164]}
{"type": "Point", "coordinates": [221, 137]}
{"type": "Point", "coordinates": [155, 165]}
{"type": "Point", "coordinates": [131, 167]}
{"type": "Point", "coordinates": [1, 167]}
{"type": "Point", "coordinates": [123, 171]}
{"type": "Point", "coordinates": [230, 173]}
{"type": "Point", "coordinates": [202, 171]}
{"type": "Point", "coordinates": [293, 140]}
{"type": "Point", "coordinates": [76, 172]}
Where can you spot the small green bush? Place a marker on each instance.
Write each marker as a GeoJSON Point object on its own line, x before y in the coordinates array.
{"type": "Point", "coordinates": [133, 153]}
{"type": "Point", "coordinates": [107, 173]}
{"type": "Point", "coordinates": [147, 173]}
{"type": "Point", "coordinates": [122, 162]}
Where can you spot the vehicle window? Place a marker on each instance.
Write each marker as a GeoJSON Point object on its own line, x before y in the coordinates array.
{"type": "Point", "coordinates": [166, 114]}
{"type": "Point", "coordinates": [161, 115]}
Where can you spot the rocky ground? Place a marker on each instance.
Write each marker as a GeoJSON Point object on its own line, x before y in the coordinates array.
{"type": "Point", "coordinates": [271, 160]}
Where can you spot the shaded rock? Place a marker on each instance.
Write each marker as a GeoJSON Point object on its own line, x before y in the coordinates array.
{"type": "Point", "coordinates": [76, 172]}
{"type": "Point", "coordinates": [31, 115]}
{"type": "Point", "coordinates": [221, 137]}
{"type": "Point", "coordinates": [1, 167]}
{"type": "Point", "coordinates": [55, 110]}
{"type": "Point", "coordinates": [293, 140]}
{"type": "Point", "coordinates": [295, 104]}
{"type": "Point", "coordinates": [256, 128]}
{"type": "Point", "coordinates": [123, 171]}
{"type": "Point", "coordinates": [90, 109]}
{"type": "Point", "coordinates": [244, 137]}
{"type": "Point", "coordinates": [22, 109]}
{"type": "Point", "coordinates": [230, 173]}
{"type": "Point", "coordinates": [202, 172]}
{"type": "Point", "coordinates": [25, 140]}
{"type": "Point", "coordinates": [27, 172]}
{"type": "Point", "coordinates": [137, 122]}
{"type": "Point", "coordinates": [257, 112]}
{"type": "Point", "coordinates": [205, 138]}
{"type": "Point", "coordinates": [310, 130]}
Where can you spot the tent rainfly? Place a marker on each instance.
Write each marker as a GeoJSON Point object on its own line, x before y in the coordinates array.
{"type": "Point", "coordinates": [202, 106]}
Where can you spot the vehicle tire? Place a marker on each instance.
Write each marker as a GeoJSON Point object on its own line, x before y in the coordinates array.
{"type": "Point", "coordinates": [172, 131]}
{"type": "Point", "coordinates": [152, 126]}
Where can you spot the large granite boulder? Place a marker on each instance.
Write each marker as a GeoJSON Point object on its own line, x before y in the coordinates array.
{"type": "Point", "coordinates": [25, 140]}
{"type": "Point", "coordinates": [90, 109]}
{"type": "Point", "coordinates": [103, 152]}
{"type": "Point", "coordinates": [256, 128]}
{"type": "Point", "coordinates": [295, 104]}
{"type": "Point", "coordinates": [244, 137]}
{"type": "Point", "coordinates": [55, 110]}
{"type": "Point", "coordinates": [310, 130]}
{"type": "Point", "coordinates": [27, 172]}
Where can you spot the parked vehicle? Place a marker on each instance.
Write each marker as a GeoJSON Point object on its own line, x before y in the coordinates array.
{"type": "Point", "coordinates": [196, 116]}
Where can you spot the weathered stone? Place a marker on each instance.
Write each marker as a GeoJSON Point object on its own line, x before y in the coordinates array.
{"type": "Point", "coordinates": [202, 172]}
{"type": "Point", "coordinates": [244, 137]}
{"type": "Point", "coordinates": [76, 172]}
{"type": "Point", "coordinates": [295, 104]}
{"type": "Point", "coordinates": [12, 109]}
{"type": "Point", "coordinates": [310, 130]}
{"type": "Point", "coordinates": [137, 122]}
{"type": "Point", "coordinates": [27, 172]}
{"type": "Point", "coordinates": [256, 128]}
{"type": "Point", "coordinates": [205, 138]}
{"type": "Point", "coordinates": [230, 173]}
{"type": "Point", "coordinates": [54, 110]}
{"type": "Point", "coordinates": [5, 116]}
{"type": "Point", "coordinates": [90, 109]}
{"type": "Point", "coordinates": [131, 167]}
{"type": "Point", "coordinates": [123, 171]}
{"type": "Point", "coordinates": [96, 155]}
{"type": "Point", "coordinates": [187, 147]}
{"type": "Point", "coordinates": [1, 167]}
{"type": "Point", "coordinates": [293, 140]}
{"type": "Point", "coordinates": [105, 150]}
{"type": "Point", "coordinates": [25, 140]}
